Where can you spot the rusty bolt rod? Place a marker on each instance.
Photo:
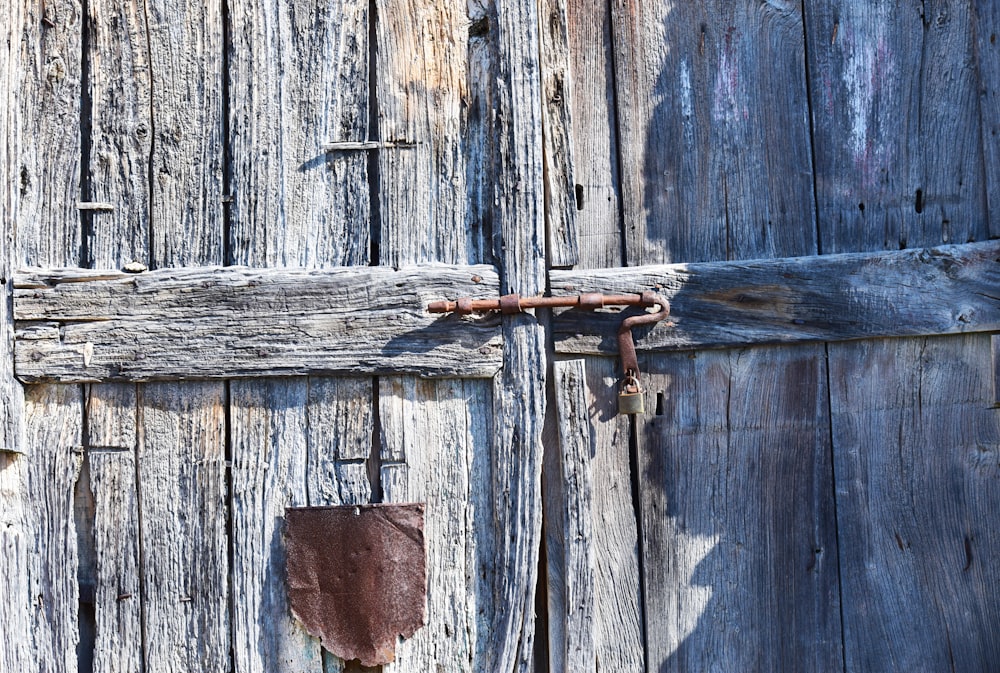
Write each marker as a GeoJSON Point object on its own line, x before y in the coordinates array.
{"type": "Point", "coordinates": [513, 303]}
{"type": "Point", "coordinates": [583, 300]}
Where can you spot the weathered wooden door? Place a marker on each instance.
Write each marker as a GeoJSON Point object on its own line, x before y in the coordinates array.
{"type": "Point", "coordinates": [819, 505]}
{"type": "Point", "coordinates": [814, 485]}
{"type": "Point", "coordinates": [142, 511]}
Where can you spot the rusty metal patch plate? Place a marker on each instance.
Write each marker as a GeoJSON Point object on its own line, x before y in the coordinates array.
{"type": "Point", "coordinates": [357, 576]}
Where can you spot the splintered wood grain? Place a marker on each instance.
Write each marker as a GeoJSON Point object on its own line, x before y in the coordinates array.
{"type": "Point", "coordinates": [270, 461]}
{"type": "Point", "coordinates": [210, 322]}
{"type": "Point", "coordinates": [121, 138]}
{"type": "Point", "coordinates": [594, 139]}
{"type": "Point", "coordinates": [43, 182]}
{"type": "Point", "coordinates": [431, 434]}
{"type": "Point", "coordinates": [519, 389]}
{"type": "Point", "coordinates": [11, 396]}
{"type": "Point", "coordinates": [185, 170]}
{"type": "Point", "coordinates": [16, 653]}
{"type": "Point", "coordinates": [110, 443]}
{"type": "Point", "coordinates": [601, 627]}
{"type": "Point", "coordinates": [422, 92]}
{"type": "Point", "coordinates": [341, 425]}
{"type": "Point", "coordinates": [986, 28]}
{"type": "Point", "coordinates": [830, 297]}
{"type": "Point", "coordinates": [53, 435]}
{"type": "Point", "coordinates": [898, 136]}
{"type": "Point", "coordinates": [184, 514]}
{"type": "Point", "coordinates": [714, 128]}
{"type": "Point", "coordinates": [917, 459]}
{"type": "Point", "coordinates": [298, 80]}
{"type": "Point", "coordinates": [737, 513]}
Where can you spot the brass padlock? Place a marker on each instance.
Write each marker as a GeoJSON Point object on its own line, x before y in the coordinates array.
{"type": "Point", "coordinates": [630, 398]}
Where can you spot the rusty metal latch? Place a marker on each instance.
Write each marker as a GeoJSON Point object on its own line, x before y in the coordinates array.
{"type": "Point", "coordinates": [630, 393]}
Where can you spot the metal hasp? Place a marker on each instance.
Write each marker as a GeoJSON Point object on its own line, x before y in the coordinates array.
{"type": "Point", "coordinates": [357, 576]}
{"type": "Point", "coordinates": [630, 395]}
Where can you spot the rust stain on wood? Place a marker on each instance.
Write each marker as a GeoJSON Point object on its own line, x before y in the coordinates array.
{"type": "Point", "coordinates": [357, 576]}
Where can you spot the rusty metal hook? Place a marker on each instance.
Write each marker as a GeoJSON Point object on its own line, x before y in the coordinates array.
{"type": "Point", "coordinates": [626, 345]}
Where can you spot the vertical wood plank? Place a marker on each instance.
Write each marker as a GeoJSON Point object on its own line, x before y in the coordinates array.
{"type": "Point", "coordinates": [185, 170]}
{"type": "Point", "coordinates": [561, 197]}
{"type": "Point", "coordinates": [45, 42]}
{"type": "Point", "coordinates": [738, 514]}
{"type": "Point", "coordinates": [577, 650]}
{"type": "Point", "coordinates": [40, 199]}
{"type": "Point", "coordinates": [603, 629]}
{"type": "Point", "coordinates": [519, 389]}
{"type": "Point", "coordinates": [118, 634]}
{"type": "Point", "coordinates": [299, 74]}
{"type": "Point", "coordinates": [478, 132]}
{"type": "Point", "coordinates": [987, 50]}
{"type": "Point", "coordinates": [430, 433]}
{"type": "Point", "coordinates": [613, 616]}
{"type": "Point", "coordinates": [269, 439]}
{"type": "Point", "coordinates": [900, 150]}
{"type": "Point", "coordinates": [341, 430]}
{"type": "Point", "coordinates": [110, 443]}
{"type": "Point", "coordinates": [714, 130]}
{"type": "Point", "coordinates": [917, 442]}
{"type": "Point", "coordinates": [120, 142]}
{"type": "Point", "coordinates": [507, 185]}
{"type": "Point", "coordinates": [421, 90]}
{"type": "Point", "coordinates": [54, 418]}
{"type": "Point", "coordinates": [117, 146]}
{"type": "Point", "coordinates": [11, 396]}
{"type": "Point", "coordinates": [434, 200]}
{"type": "Point", "coordinates": [184, 515]}
{"type": "Point", "coordinates": [594, 134]}
{"type": "Point", "coordinates": [299, 81]}
{"type": "Point", "coordinates": [16, 652]}
{"type": "Point", "coordinates": [896, 110]}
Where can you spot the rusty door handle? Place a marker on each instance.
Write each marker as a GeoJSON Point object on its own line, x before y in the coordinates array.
{"type": "Point", "coordinates": [513, 303]}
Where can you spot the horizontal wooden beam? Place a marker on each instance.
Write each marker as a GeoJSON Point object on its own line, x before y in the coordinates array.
{"type": "Point", "coordinates": [827, 298]}
{"type": "Point", "coordinates": [76, 325]}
